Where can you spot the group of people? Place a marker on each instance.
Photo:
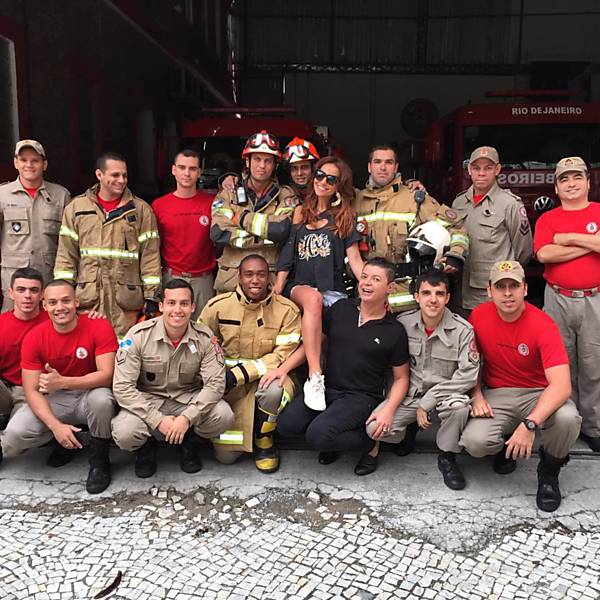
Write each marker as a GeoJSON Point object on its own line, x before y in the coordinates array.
{"type": "Point", "coordinates": [131, 343]}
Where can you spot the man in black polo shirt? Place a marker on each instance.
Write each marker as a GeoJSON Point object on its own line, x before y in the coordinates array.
{"type": "Point", "coordinates": [364, 343]}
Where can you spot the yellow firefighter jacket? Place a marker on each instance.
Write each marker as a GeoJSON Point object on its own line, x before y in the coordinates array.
{"type": "Point", "coordinates": [387, 214]}
{"type": "Point", "coordinates": [114, 260]}
{"type": "Point", "coordinates": [256, 338]}
{"type": "Point", "coordinates": [261, 226]}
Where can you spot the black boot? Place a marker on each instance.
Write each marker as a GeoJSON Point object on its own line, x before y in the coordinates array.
{"type": "Point", "coordinates": [189, 459]}
{"type": "Point", "coordinates": [453, 477]}
{"type": "Point", "coordinates": [407, 445]}
{"type": "Point", "coordinates": [503, 465]}
{"type": "Point", "coordinates": [591, 441]}
{"type": "Point", "coordinates": [548, 493]}
{"type": "Point", "coordinates": [99, 476]}
{"type": "Point", "coordinates": [266, 453]}
{"type": "Point", "coordinates": [145, 459]}
{"type": "Point", "coordinates": [59, 455]}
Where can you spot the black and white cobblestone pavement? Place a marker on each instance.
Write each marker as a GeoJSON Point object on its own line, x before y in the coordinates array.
{"type": "Point", "coordinates": [308, 531]}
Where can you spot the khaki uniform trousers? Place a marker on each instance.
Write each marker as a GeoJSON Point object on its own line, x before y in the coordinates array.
{"type": "Point", "coordinates": [452, 411]}
{"type": "Point", "coordinates": [484, 436]}
{"type": "Point", "coordinates": [203, 287]}
{"type": "Point", "coordinates": [130, 432]}
{"type": "Point", "coordinates": [11, 398]}
{"type": "Point", "coordinates": [75, 407]}
{"type": "Point", "coordinates": [579, 322]}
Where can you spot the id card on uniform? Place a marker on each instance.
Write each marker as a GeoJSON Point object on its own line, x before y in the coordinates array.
{"type": "Point", "coordinates": [193, 348]}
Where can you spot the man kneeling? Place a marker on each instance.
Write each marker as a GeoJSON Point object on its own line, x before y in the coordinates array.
{"type": "Point", "coordinates": [67, 368]}
{"type": "Point", "coordinates": [169, 381]}
{"type": "Point", "coordinates": [444, 365]}
{"type": "Point", "coordinates": [527, 385]}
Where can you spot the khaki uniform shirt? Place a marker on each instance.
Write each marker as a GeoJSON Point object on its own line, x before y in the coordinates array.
{"type": "Point", "coordinates": [256, 338]}
{"type": "Point", "coordinates": [443, 364]}
{"type": "Point", "coordinates": [29, 228]}
{"type": "Point", "coordinates": [257, 227]}
{"type": "Point", "coordinates": [498, 229]}
{"type": "Point", "coordinates": [388, 213]}
{"type": "Point", "coordinates": [149, 370]}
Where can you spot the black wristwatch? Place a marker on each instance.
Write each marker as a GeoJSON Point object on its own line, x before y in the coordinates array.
{"type": "Point", "coordinates": [531, 425]}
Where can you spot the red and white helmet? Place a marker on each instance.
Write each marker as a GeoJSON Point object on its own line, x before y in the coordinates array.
{"type": "Point", "coordinates": [299, 149]}
{"type": "Point", "coordinates": [263, 142]}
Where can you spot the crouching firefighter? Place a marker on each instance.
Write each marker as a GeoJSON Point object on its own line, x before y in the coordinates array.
{"type": "Point", "coordinates": [257, 331]}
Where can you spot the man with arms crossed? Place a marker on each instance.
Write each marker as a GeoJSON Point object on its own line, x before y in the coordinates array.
{"type": "Point", "coordinates": [67, 366]}
{"type": "Point", "coordinates": [526, 385]}
{"type": "Point", "coordinates": [568, 243]}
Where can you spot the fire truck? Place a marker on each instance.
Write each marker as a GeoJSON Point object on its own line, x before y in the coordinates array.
{"type": "Point", "coordinates": [219, 136]}
{"type": "Point", "coordinates": [530, 136]}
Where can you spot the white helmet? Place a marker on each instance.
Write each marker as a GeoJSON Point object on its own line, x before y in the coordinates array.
{"type": "Point", "coordinates": [428, 242]}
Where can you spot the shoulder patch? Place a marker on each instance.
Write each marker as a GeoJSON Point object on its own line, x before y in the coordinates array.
{"type": "Point", "coordinates": [217, 203]}
{"type": "Point", "coordinates": [473, 352]}
{"type": "Point", "coordinates": [451, 214]}
{"type": "Point", "coordinates": [218, 350]}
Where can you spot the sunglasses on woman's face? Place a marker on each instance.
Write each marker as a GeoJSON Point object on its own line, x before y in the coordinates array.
{"type": "Point", "coordinates": [330, 179]}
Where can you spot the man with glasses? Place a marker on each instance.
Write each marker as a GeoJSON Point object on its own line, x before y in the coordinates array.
{"type": "Point", "coordinates": [256, 216]}
{"type": "Point", "coordinates": [388, 210]}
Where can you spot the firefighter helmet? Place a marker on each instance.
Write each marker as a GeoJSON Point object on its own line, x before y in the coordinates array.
{"type": "Point", "coordinates": [428, 242]}
{"type": "Point", "coordinates": [300, 149]}
{"type": "Point", "coordinates": [263, 142]}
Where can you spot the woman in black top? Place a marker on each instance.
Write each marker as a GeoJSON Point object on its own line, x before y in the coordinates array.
{"type": "Point", "coordinates": [311, 264]}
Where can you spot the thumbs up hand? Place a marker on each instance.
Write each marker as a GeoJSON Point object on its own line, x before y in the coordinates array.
{"type": "Point", "coordinates": [51, 381]}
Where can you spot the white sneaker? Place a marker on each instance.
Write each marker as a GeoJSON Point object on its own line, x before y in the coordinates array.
{"type": "Point", "coordinates": [314, 392]}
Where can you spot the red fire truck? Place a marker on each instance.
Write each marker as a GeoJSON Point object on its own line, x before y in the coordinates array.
{"type": "Point", "coordinates": [530, 136]}
{"type": "Point", "coordinates": [219, 136]}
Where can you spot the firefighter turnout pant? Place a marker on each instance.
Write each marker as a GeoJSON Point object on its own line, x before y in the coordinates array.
{"type": "Point", "coordinates": [269, 402]}
{"type": "Point", "coordinates": [94, 407]}
{"type": "Point", "coordinates": [484, 436]}
{"type": "Point", "coordinates": [452, 411]}
{"type": "Point", "coordinates": [130, 432]}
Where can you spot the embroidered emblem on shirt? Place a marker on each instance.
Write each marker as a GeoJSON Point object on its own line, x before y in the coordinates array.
{"type": "Point", "coordinates": [523, 349]}
{"type": "Point", "coordinates": [81, 353]}
{"type": "Point", "coordinates": [314, 245]}
{"type": "Point", "coordinates": [591, 227]}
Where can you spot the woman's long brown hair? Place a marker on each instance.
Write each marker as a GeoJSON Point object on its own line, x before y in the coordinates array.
{"type": "Point", "coordinates": [344, 217]}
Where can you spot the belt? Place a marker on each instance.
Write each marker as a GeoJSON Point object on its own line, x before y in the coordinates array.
{"type": "Point", "coordinates": [576, 293]}
{"type": "Point", "coordinates": [184, 274]}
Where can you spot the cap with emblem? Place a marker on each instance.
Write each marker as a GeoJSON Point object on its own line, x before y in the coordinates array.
{"type": "Point", "coordinates": [507, 269]}
{"type": "Point", "coordinates": [570, 163]}
{"type": "Point", "coordinates": [485, 152]}
{"type": "Point", "coordinates": [33, 144]}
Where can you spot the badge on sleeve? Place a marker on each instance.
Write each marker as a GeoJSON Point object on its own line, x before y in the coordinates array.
{"type": "Point", "coordinates": [218, 350]}
{"type": "Point", "coordinates": [473, 352]}
{"type": "Point", "coordinates": [124, 346]}
{"type": "Point", "coordinates": [217, 204]}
